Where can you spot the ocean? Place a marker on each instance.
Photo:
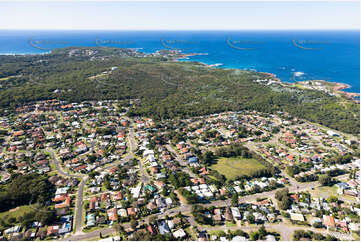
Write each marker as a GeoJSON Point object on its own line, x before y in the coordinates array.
{"type": "Point", "coordinates": [290, 55]}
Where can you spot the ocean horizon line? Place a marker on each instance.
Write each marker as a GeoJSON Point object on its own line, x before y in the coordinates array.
{"type": "Point", "coordinates": [173, 30]}
{"type": "Point", "coordinates": [330, 55]}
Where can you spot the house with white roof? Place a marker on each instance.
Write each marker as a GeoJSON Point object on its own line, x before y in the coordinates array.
{"type": "Point", "coordinates": [179, 234]}
{"type": "Point", "coordinates": [236, 214]}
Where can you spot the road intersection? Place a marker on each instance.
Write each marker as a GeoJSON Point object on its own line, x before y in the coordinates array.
{"type": "Point", "coordinates": [286, 231]}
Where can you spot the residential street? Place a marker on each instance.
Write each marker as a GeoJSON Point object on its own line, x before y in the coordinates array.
{"type": "Point", "coordinates": [286, 230]}
{"type": "Point", "coordinates": [58, 166]}
{"type": "Point", "coordinates": [77, 226]}
{"type": "Point", "coordinates": [79, 206]}
{"type": "Point", "coordinates": [187, 209]}
{"type": "Point", "coordinates": [181, 161]}
{"type": "Point", "coordinates": [79, 197]}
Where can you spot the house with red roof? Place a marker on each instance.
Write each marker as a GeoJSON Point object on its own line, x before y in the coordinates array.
{"type": "Point", "coordinates": [79, 168]}
{"type": "Point", "coordinates": [290, 158]}
{"type": "Point", "coordinates": [151, 230]}
{"type": "Point", "coordinates": [132, 211]}
{"type": "Point", "coordinates": [329, 221]}
{"type": "Point", "coordinates": [306, 160]}
{"type": "Point", "coordinates": [112, 214]}
{"type": "Point", "coordinates": [113, 169]}
{"type": "Point", "coordinates": [104, 197]}
{"type": "Point", "coordinates": [184, 150]}
{"type": "Point", "coordinates": [203, 171]}
{"type": "Point", "coordinates": [18, 133]}
{"type": "Point", "coordinates": [60, 198]}
{"type": "Point", "coordinates": [154, 170]}
{"type": "Point", "coordinates": [52, 230]}
{"type": "Point", "coordinates": [118, 196]}
{"type": "Point", "coordinates": [65, 204]}
{"type": "Point", "coordinates": [295, 198]}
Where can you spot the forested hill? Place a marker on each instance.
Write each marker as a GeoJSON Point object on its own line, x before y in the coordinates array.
{"type": "Point", "coordinates": [166, 88]}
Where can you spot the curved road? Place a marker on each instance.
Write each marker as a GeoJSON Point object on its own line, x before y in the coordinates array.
{"type": "Point", "coordinates": [84, 178]}
{"type": "Point", "coordinates": [180, 161]}
{"type": "Point", "coordinates": [80, 192]}
{"type": "Point", "coordinates": [185, 208]}
{"type": "Point", "coordinates": [58, 166]}
{"type": "Point", "coordinates": [188, 208]}
{"type": "Point", "coordinates": [79, 204]}
{"type": "Point", "coordinates": [294, 187]}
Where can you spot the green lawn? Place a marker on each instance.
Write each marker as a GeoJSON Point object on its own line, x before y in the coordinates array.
{"type": "Point", "coordinates": [326, 191]}
{"type": "Point", "coordinates": [15, 213]}
{"type": "Point", "coordinates": [230, 224]}
{"type": "Point", "coordinates": [218, 233]}
{"type": "Point", "coordinates": [191, 233]}
{"type": "Point", "coordinates": [356, 236]}
{"type": "Point", "coordinates": [100, 226]}
{"type": "Point", "coordinates": [236, 166]}
{"type": "Point", "coordinates": [53, 171]}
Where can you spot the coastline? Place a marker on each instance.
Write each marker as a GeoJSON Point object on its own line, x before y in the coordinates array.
{"type": "Point", "coordinates": [340, 87]}
{"type": "Point", "coordinates": [24, 54]}
{"type": "Point", "coordinates": [336, 87]}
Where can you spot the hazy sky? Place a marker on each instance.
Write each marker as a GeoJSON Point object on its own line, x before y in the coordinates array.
{"type": "Point", "coordinates": [179, 15]}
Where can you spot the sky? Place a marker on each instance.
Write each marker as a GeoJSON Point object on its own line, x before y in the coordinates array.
{"type": "Point", "coordinates": [104, 15]}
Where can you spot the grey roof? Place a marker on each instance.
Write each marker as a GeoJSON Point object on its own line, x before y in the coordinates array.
{"type": "Point", "coordinates": [163, 227]}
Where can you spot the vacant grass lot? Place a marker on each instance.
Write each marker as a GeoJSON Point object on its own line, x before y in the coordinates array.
{"type": "Point", "coordinates": [15, 213]}
{"type": "Point", "coordinates": [236, 166]}
{"type": "Point", "coordinates": [325, 192]}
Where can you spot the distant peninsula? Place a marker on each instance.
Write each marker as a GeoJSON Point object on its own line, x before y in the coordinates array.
{"type": "Point", "coordinates": [167, 88]}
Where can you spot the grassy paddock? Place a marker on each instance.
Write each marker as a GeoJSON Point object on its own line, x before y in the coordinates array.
{"type": "Point", "coordinates": [15, 213]}
{"type": "Point", "coordinates": [325, 192]}
{"type": "Point", "coordinates": [237, 166]}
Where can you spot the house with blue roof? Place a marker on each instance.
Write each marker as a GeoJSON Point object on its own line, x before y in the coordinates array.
{"type": "Point", "coordinates": [193, 159]}
{"type": "Point", "coordinates": [163, 227]}
{"type": "Point", "coordinates": [90, 220]}
{"type": "Point", "coordinates": [342, 185]}
{"type": "Point", "coordinates": [150, 188]}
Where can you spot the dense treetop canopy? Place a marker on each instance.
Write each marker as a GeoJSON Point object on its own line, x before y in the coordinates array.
{"type": "Point", "coordinates": [166, 88]}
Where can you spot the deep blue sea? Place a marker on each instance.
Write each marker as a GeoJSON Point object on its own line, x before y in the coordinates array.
{"type": "Point", "coordinates": [291, 55]}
